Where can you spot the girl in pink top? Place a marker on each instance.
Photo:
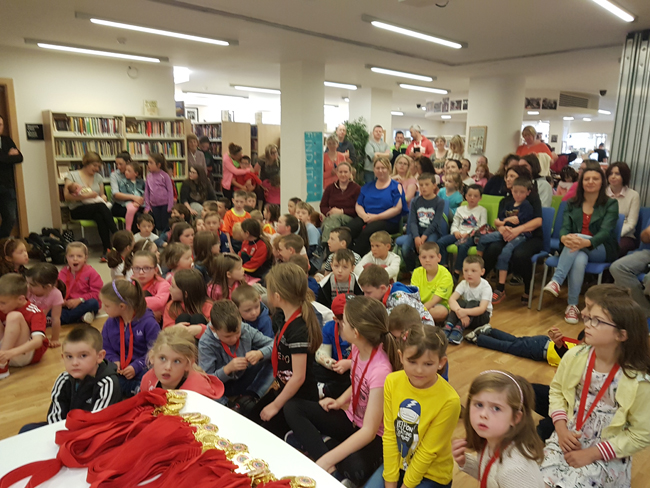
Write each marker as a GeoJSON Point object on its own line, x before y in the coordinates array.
{"type": "Point", "coordinates": [43, 281]}
{"type": "Point", "coordinates": [331, 159]}
{"type": "Point", "coordinates": [227, 274]}
{"type": "Point", "coordinates": [156, 289]}
{"type": "Point", "coordinates": [359, 428]}
{"type": "Point", "coordinates": [229, 168]}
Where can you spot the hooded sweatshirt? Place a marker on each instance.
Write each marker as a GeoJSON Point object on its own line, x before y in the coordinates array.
{"type": "Point", "coordinates": [85, 284]}
{"type": "Point", "coordinates": [145, 332]}
{"type": "Point", "coordinates": [92, 394]}
{"type": "Point", "coordinates": [263, 322]}
{"type": "Point", "coordinates": [399, 294]}
{"type": "Point", "coordinates": [205, 384]}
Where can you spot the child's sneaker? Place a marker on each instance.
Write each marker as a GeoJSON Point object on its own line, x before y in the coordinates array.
{"type": "Point", "coordinates": [498, 296]}
{"type": "Point", "coordinates": [516, 281]}
{"type": "Point", "coordinates": [4, 371]}
{"type": "Point", "coordinates": [244, 405]}
{"type": "Point", "coordinates": [473, 335]}
{"type": "Point", "coordinates": [456, 336]}
{"type": "Point", "coordinates": [571, 314]}
{"type": "Point", "coordinates": [291, 439]}
{"type": "Point", "coordinates": [447, 329]}
{"type": "Point", "coordinates": [553, 288]}
{"type": "Point", "coordinates": [88, 318]}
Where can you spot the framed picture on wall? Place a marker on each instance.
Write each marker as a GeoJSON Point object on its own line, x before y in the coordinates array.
{"type": "Point", "coordinates": [192, 113]}
{"type": "Point", "coordinates": [477, 137]}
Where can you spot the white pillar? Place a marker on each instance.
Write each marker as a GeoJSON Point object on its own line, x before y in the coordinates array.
{"type": "Point", "coordinates": [497, 103]}
{"type": "Point", "coordinates": [559, 128]}
{"type": "Point", "coordinates": [302, 99]}
{"type": "Point", "coordinates": [374, 105]}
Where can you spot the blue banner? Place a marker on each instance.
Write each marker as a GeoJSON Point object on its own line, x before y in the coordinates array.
{"type": "Point", "coordinates": [314, 165]}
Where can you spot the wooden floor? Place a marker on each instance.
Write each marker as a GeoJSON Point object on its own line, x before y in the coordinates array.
{"type": "Point", "coordinates": [24, 396]}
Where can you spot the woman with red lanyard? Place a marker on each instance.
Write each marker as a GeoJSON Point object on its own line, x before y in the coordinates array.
{"type": "Point", "coordinates": [500, 430]}
{"type": "Point", "coordinates": [599, 399]}
{"type": "Point", "coordinates": [128, 332]}
{"type": "Point", "coordinates": [294, 347]}
{"type": "Point", "coordinates": [357, 429]}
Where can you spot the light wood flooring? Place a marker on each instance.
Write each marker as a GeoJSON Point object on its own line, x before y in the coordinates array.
{"type": "Point", "coordinates": [24, 396]}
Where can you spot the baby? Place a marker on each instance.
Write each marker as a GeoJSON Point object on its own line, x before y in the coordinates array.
{"type": "Point", "coordinates": [77, 190]}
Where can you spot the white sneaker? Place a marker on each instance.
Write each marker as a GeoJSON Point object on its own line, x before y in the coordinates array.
{"type": "Point", "coordinates": [472, 337]}
{"type": "Point", "coordinates": [88, 317]}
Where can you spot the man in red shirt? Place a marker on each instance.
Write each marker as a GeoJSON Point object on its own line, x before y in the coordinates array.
{"type": "Point", "coordinates": [22, 326]}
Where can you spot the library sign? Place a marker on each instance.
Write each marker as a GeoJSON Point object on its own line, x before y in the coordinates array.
{"type": "Point", "coordinates": [314, 165]}
{"type": "Point", "coordinates": [34, 132]}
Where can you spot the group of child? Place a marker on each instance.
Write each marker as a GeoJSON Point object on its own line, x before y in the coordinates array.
{"type": "Point", "coordinates": [352, 370]}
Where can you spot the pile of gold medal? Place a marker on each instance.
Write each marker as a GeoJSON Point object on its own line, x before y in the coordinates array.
{"type": "Point", "coordinates": [206, 433]}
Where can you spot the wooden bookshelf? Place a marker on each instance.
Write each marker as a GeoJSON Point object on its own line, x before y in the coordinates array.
{"type": "Point", "coordinates": [68, 136]}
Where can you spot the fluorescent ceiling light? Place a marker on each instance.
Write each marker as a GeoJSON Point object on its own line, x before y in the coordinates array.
{"type": "Point", "coordinates": [96, 52]}
{"type": "Point", "coordinates": [445, 117]}
{"type": "Point", "coordinates": [533, 112]}
{"type": "Point", "coordinates": [346, 99]}
{"type": "Point", "coordinates": [604, 112]}
{"type": "Point", "coordinates": [181, 75]}
{"type": "Point", "coordinates": [399, 114]}
{"type": "Point", "coordinates": [272, 91]}
{"type": "Point", "coordinates": [330, 105]}
{"type": "Point", "coordinates": [439, 91]}
{"type": "Point", "coordinates": [615, 9]}
{"type": "Point", "coordinates": [586, 119]}
{"type": "Point", "coordinates": [159, 32]}
{"type": "Point", "coordinates": [346, 86]}
{"type": "Point", "coordinates": [207, 95]}
{"type": "Point", "coordinates": [567, 118]}
{"type": "Point", "coordinates": [401, 74]}
{"type": "Point", "coordinates": [417, 35]}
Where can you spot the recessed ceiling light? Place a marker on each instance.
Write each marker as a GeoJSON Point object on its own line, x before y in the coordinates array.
{"type": "Point", "coordinates": [615, 9]}
{"type": "Point", "coordinates": [401, 74]}
{"type": "Point", "coordinates": [181, 75]}
{"type": "Point", "coordinates": [567, 118]}
{"type": "Point", "coordinates": [346, 86]}
{"type": "Point", "coordinates": [346, 99]}
{"type": "Point", "coordinates": [604, 112]}
{"type": "Point", "coordinates": [411, 33]}
{"type": "Point", "coordinates": [533, 112]}
{"type": "Point", "coordinates": [586, 119]}
{"type": "Point", "coordinates": [445, 117]}
{"type": "Point", "coordinates": [158, 32]}
{"type": "Point", "coordinates": [95, 52]}
{"type": "Point", "coordinates": [255, 89]}
{"type": "Point", "coordinates": [439, 91]}
{"type": "Point", "coordinates": [399, 114]}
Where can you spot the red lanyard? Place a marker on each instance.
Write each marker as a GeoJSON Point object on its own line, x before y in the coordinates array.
{"type": "Point", "coordinates": [226, 348]}
{"type": "Point", "coordinates": [484, 478]}
{"type": "Point", "coordinates": [355, 395]}
{"type": "Point", "coordinates": [276, 341]}
{"type": "Point", "coordinates": [580, 421]}
{"type": "Point", "coordinates": [336, 287]}
{"type": "Point", "coordinates": [385, 299]}
{"type": "Point", "coordinates": [337, 339]}
{"type": "Point", "coordinates": [125, 362]}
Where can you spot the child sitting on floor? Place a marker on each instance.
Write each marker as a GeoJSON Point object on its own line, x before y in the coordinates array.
{"type": "Point", "coordinates": [189, 305]}
{"type": "Point", "coordinates": [175, 257]}
{"type": "Point", "coordinates": [471, 303]}
{"type": "Point", "coordinates": [82, 285]}
{"type": "Point", "coordinates": [289, 246]}
{"type": "Point", "coordinates": [234, 215]}
{"type": "Point", "coordinates": [380, 254]}
{"type": "Point", "coordinates": [303, 212]}
{"type": "Point", "coordinates": [303, 262]}
{"type": "Point", "coordinates": [213, 224]}
{"type": "Point", "coordinates": [145, 226]}
{"type": "Point", "coordinates": [22, 326]}
{"type": "Point", "coordinates": [340, 238]}
{"type": "Point", "coordinates": [119, 258]}
{"type": "Point", "coordinates": [13, 256]}
{"type": "Point", "coordinates": [45, 292]}
{"type": "Point", "coordinates": [375, 283]}
{"type": "Point", "coordinates": [340, 281]}
{"type": "Point", "coordinates": [256, 251]}
{"type": "Point", "coordinates": [206, 246]}
{"type": "Point", "coordinates": [434, 282]}
{"type": "Point", "coordinates": [252, 310]}
{"type": "Point", "coordinates": [155, 289]}
{"type": "Point", "coordinates": [238, 355]}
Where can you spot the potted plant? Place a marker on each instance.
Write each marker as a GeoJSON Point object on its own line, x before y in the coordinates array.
{"type": "Point", "coordinates": [358, 135]}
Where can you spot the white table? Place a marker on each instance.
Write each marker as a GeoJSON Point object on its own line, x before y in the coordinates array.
{"type": "Point", "coordinates": [283, 460]}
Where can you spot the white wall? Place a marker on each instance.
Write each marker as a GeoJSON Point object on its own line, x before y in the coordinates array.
{"type": "Point", "coordinates": [74, 83]}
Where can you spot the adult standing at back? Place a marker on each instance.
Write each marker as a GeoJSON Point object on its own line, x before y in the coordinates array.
{"type": "Point", "coordinates": [345, 146]}
{"type": "Point", "coordinates": [440, 153]}
{"type": "Point", "coordinates": [420, 145]}
{"type": "Point", "coordinates": [204, 147]}
{"type": "Point", "coordinates": [339, 201]}
{"type": "Point", "coordinates": [89, 177]}
{"type": "Point", "coordinates": [531, 145]}
{"type": "Point", "coordinates": [9, 156]}
{"type": "Point", "coordinates": [375, 148]}
{"type": "Point", "coordinates": [331, 160]}
{"type": "Point", "coordinates": [231, 168]}
{"type": "Point", "coordinates": [456, 148]}
{"type": "Point", "coordinates": [195, 157]}
{"type": "Point", "coordinates": [269, 166]}
{"type": "Point", "coordinates": [618, 179]}
{"type": "Point", "coordinates": [399, 147]}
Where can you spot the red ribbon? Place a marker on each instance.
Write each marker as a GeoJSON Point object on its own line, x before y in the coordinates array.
{"type": "Point", "coordinates": [276, 341]}
{"type": "Point", "coordinates": [226, 348]}
{"type": "Point", "coordinates": [484, 478]}
{"type": "Point", "coordinates": [337, 339]}
{"type": "Point", "coordinates": [355, 395]}
{"type": "Point", "coordinates": [124, 362]}
{"type": "Point", "coordinates": [581, 419]}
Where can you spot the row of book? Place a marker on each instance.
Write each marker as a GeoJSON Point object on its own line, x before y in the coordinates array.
{"type": "Point", "coordinates": [210, 130]}
{"type": "Point", "coordinates": [215, 149]}
{"type": "Point", "coordinates": [152, 128]}
{"type": "Point", "coordinates": [88, 125]}
{"type": "Point", "coordinates": [168, 149]}
{"type": "Point", "coordinates": [176, 168]}
{"type": "Point", "coordinates": [76, 149]}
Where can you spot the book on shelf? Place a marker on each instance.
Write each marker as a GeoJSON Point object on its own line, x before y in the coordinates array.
{"type": "Point", "coordinates": [149, 128]}
{"type": "Point", "coordinates": [167, 149]}
{"type": "Point", "coordinates": [213, 131]}
{"type": "Point", "coordinates": [253, 131]}
{"type": "Point", "coordinates": [77, 149]}
{"type": "Point", "coordinates": [65, 169]}
{"type": "Point", "coordinates": [177, 169]}
{"type": "Point", "coordinates": [215, 149]}
{"type": "Point", "coordinates": [103, 126]}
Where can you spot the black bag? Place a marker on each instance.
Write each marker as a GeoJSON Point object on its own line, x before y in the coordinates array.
{"type": "Point", "coordinates": [38, 248]}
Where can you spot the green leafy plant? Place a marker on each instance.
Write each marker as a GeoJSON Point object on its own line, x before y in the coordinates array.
{"type": "Point", "coordinates": [358, 136]}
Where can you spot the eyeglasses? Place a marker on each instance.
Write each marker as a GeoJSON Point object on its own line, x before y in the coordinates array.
{"type": "Point", "coordinates": [146, 269]}
{"type": "Point", "coordinates": [596, 323]}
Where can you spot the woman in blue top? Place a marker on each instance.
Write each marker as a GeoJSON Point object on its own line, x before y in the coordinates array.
{"type": "Point", "coordinates": [379, 207]}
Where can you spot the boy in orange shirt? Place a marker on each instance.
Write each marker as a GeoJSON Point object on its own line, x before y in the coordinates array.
{"type": "Point", "coordinates": [236, 214]}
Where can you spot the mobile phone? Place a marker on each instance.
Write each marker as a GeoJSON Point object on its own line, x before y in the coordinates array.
{"type": "Point", "coordinates": [417, 149]}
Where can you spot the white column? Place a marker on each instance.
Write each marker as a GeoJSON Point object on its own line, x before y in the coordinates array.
{"type": "Point", "coordinates": [374, 105]}
{"type": "Point", "coordinates": [497, 103]}
{"type": "Point", "coordinates": [302, 99]}
{"type": "Point", "coordinates": [559, 128]}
